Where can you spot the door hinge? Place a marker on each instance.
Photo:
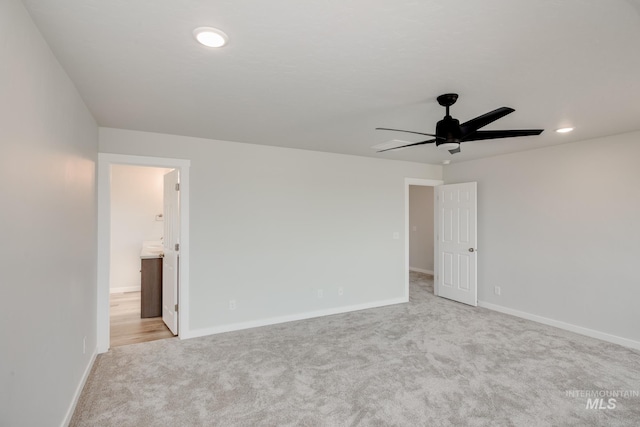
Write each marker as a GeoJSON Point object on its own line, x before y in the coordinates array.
{"type": "Point", "coordinates": [178, 186]}
{"type": "Point", "coordinates": [177, 247]}
{"type": "Point", "coordinates": [176, 308]}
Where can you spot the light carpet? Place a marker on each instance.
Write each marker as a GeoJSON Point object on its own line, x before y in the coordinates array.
{"type": "Point", "coordinates": [431, 362]}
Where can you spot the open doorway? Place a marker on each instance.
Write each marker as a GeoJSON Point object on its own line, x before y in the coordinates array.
{"type": "Point", "coordinates": [421, 238]}
{"type": "Point", "coordinates": [142, 242]}
{"type": "Point", "coordinates": [420, 234]}
{"type": "Point", "coordinates": [135, 271]}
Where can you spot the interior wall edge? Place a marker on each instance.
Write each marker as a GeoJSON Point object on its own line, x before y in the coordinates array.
{"type": "Point", "coordinates": [79, 388]}
{"type": "Point", "coordinates": [195, 333]}
{"type": "Point", "coordinates": [592, 333]}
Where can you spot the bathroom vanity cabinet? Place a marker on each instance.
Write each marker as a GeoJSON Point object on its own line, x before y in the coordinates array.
{"type": "Point", "coordinates": [151, 289]}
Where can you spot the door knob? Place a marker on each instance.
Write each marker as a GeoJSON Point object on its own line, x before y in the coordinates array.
{"type": "Point", "coordinates": [471, 250]}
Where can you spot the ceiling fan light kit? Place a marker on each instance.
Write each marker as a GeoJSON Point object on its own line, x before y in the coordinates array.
{"type": "Point", "coordinates": [450, 133]}
{"type": "Point", "coordinates": [448, 145]}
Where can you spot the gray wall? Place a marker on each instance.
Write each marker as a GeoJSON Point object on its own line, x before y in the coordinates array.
{"type": "Point", "coordinates": [270, 226]}
{"type": "Point", "coordinates": [48, 149]}
{"type": "Point", "coordinates": [558, 230]}
{"type": "Point", "coordinates": [421, 227]}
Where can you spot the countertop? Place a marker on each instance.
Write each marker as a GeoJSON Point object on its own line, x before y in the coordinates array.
{"type": "Point", "coordinates": [151, 249]}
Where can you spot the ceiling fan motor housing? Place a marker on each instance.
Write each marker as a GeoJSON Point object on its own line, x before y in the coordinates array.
{"type": "Point", "coordinates": [448, 131]}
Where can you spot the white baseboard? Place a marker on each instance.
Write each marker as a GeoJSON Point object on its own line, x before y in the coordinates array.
{"type": "Point", "coordinates": [124, 289]}
{"type": "Point", "coordinates": [563, 325]}
{"type": "Point", "coordinates": [76, 395]}
{"type": "Point", "coordinates": [421, 270]}
{"type": "Point", "coordinates": [289, 318]}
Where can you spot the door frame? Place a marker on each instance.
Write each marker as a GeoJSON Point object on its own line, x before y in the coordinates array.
{"type": "Point", "coordinates": [407, 226]}
{"type": "Point", "coordinates": [105, 161]}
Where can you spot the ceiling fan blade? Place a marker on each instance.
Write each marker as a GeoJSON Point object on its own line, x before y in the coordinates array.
{"type": "Point", "coordinates": [495, 134]}
{"type": "Point", "coordinates": [455, 150]}
{"type": "Point", "coordinates": [483, 120]}
{"type": "Point", "coordinates": [429, 141]}
{"type": "Point", "coordinates": [408, 131]}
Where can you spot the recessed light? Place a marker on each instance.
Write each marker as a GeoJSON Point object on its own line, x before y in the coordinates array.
{"type": "Point", "coordinates": [564, 130]}
{"type": "Point", "coordinates": [210, 37]}
{"type": "Point", "coordinates": [446, 162]}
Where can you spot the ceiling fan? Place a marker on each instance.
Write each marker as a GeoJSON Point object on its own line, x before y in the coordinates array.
{"type": "Point", "coordinates": [450, 133]}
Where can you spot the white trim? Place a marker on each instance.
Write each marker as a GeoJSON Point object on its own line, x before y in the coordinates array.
{"type": "Point", "coordinates": [289, 318]}
{"type": "Point", "coordinates": [563, 325]}
{"type": "Point", "coordinates": [76, 395]}
{"type": "Point", "coordinates": [421, 270]}
{"type": "Point", "coordinates": [124, 289]}
{"type": "Point", "coordinates": [407, 183]}
{"type": "Point", "coordinates": [423, 182]}
{"type": "Point", "coordinates": [105, 161]}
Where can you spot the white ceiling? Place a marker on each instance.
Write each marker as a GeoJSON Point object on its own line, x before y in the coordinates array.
{"type": "Point", "coordinates": [322, 74]}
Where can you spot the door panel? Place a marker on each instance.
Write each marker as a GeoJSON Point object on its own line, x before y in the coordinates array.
{"type": "Point", "coordinates": [171, 260]}
{"type": "Point", "coordinates": [456, 240]}
{"type": "Point", "coordinates": [447, 269]}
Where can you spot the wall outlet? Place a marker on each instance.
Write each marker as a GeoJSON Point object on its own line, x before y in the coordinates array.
{"type": "Point", "coordinates": [320, 293]}
{"type": "Point", "coordinates": [340, 291]}
{"type": "Point", "coordinates": [496, 290]}
{"type": "Point", "coordinates": [232, 304]}
{"type": "Point", "coordinates": [84, 345]}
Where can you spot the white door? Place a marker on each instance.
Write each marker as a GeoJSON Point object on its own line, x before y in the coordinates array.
{"type": "Point", "coordinates": [456, 242]}
{"type": "Point", "coordinates": [171, 260]}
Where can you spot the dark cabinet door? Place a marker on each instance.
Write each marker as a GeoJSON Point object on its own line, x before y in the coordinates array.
{"type": "Point", "coordinates": [151, 292]}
